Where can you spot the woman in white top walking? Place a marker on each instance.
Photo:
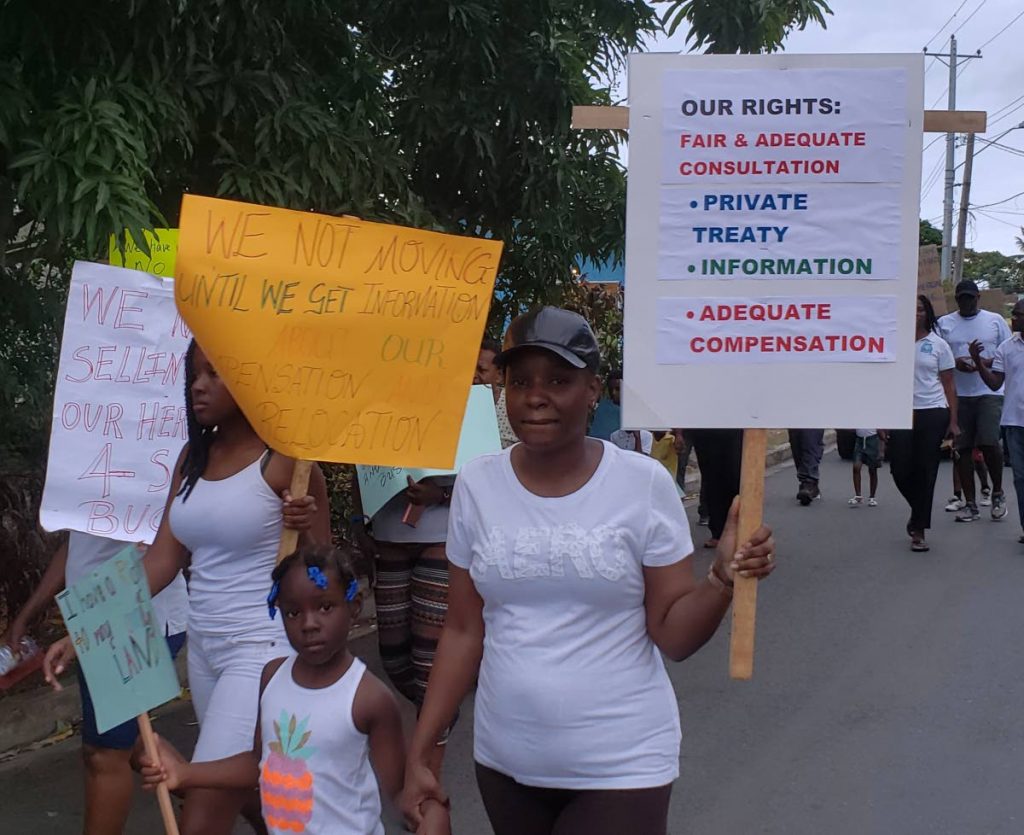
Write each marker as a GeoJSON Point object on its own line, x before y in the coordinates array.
{"type": "Point", "coordinates": [569, 576]}
{"type": "Point", "coordinates": [228, 499]}
{"type": "Point", "coordinates": [915, 453]}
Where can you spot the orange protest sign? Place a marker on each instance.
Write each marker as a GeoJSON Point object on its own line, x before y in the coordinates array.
{"type": "Point", "coordinates": [341, 340]}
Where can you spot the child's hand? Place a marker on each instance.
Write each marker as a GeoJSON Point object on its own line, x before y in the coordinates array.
{"type": "Point", "coordinates": [56, 660]}
{"type": "Point", "coordinates": [169, 768]}
{"type": "Point", "coordinates": [298, 513]}
{"type": "Point", "coordinates": [436, 819]}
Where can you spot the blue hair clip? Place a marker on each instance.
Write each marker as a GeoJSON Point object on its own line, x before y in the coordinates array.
{"type": "Point", "coordinates": [275, 590]}
{"type": "Point", "coordinates": [352, 590]}
{"type": "Point", "coordinates": [317, 576]}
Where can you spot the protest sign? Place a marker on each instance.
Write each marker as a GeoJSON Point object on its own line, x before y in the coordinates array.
{"type": "Point", "coordinates": [119, 418]}
{"type": "Point", "coordinates": [929, 278]}
{"type": "Point", "coordinates": [341, 340]}
{"type": "Point", "coordinates": [760, 184]}
{"type": "Point", "coordinates": [378, 485]}
{"type": "Point", "coordinates": [777, 277]}
{"type": "Point", "coordinates": [117, 637]}
{"type": "Point", "coordinates": [122, 651]}
{"type": "Point", "coordinates": [163, 252]}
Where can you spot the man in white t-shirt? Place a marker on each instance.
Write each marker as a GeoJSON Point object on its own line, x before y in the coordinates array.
{"type": "Point", "coordinates": [980, 409]}
{"type": "Point", "coordinates": [1007, 369]}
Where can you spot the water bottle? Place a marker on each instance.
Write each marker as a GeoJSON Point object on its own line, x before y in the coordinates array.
{"type": "Point", "coordinates": [14, 657]}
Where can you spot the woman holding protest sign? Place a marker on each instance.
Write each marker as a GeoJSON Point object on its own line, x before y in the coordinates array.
{"type": "Point", "coordinates": [915, 452]}
{"type": "Point", "coordinates": [569, 575]}
{"type": "Point", "coordinates": [227, 503]}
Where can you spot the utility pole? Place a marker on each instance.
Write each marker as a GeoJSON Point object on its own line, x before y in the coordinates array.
{"type": "Point", "coordinates": [965, 200]}
{"type": "Point", "coordinates": [947, 206]}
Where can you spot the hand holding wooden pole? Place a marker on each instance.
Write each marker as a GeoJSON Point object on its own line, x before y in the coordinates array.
{"type": "Point", "coordinates": [163, 796]}
{"type": "Point", "coordinates": [744, 601]}
{"type": "Point", "coordinates": [298, 489]}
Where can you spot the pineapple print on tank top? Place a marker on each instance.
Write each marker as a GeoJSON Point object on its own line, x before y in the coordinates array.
{"type": "Point", "coordinates": [315, 774]}
{"type": "Point", "coordinates": [286, 783]}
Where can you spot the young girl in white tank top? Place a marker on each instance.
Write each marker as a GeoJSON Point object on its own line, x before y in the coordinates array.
{"type": "Point", "coordinates": [329, 731]}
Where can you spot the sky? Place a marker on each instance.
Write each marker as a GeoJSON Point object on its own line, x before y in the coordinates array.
{"type": "Point", "coordinates": [991, 83]}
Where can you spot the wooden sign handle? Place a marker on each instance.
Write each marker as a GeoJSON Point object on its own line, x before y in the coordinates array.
{"type": "Point", "coordinates": [163, 796]}
{"type": "Point", "coordinates": [744, 601]}
{"type": "Point", "coordinates": [299, 486]}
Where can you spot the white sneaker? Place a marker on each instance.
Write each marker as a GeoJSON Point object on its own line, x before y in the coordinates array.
{"type": "Point", "coordinates": [856, 501]}
{"type": "Point", "coordinates": [986, 497]}
{"type": "Point", "coordinates": [872, 502]}
{"type": "Point", "coordinates": [955, 504]}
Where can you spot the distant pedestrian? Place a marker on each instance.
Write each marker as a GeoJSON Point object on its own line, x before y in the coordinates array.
{"type": "Point", "coordinates": [1007, 369]}
{"type": "Point", "coordinates": [915, 452]}
{"type": "Point", "coordinates": [807, 446]}
{"type": "Point", "coordinates": [867, 450]}
{"type": "Point", "coordinates": [979, 409]}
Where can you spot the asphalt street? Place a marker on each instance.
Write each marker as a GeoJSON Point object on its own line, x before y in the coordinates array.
{"type": "Point", "coordinates": [886, 694]}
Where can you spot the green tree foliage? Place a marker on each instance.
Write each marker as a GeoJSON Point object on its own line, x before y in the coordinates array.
{"type": "Point", "coordinates": [448, 115]}
{"type": "Point", "coordinates": [749, 26]}
{"type": "Point", "coordinates": [1003, 271]}
{"type": "Point", "coordinates": [929, 234]}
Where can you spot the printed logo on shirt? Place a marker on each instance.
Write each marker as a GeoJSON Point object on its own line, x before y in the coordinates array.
{"type": "Point", "coordinates": [286, 783]}
{"type": "Point", "coordinates": [598, 553]}
{"type": "Point", "coordinates": [927, 347]}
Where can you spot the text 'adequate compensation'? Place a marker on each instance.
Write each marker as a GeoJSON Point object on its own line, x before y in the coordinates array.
{"type": "Point", "coordinates": [778, 329]}
{"type": "Point", "coordinates": [341, 340]}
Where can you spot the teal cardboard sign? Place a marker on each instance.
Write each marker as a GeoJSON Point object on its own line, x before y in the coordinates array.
{"type": "Point", "coordinates": [378, 485]}
{"type": "Point", "coordinates": [123, 654]}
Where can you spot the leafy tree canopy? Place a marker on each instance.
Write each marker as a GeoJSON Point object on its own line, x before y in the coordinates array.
{"type": "Point", "coordinates": [749, 26]}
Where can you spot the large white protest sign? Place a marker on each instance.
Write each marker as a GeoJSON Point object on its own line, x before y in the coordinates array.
{"type": "Point", "coordinates": [119, 417]}
{"type": "Point", "coordinates": [762, 182]}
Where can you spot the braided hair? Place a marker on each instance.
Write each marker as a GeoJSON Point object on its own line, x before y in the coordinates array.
{"type": "Point", "coordinates": [931, 321]}
{"type": "Point", "coordinates": [316, 559]}
{"type": "Point", "coordinates": [199, 437]}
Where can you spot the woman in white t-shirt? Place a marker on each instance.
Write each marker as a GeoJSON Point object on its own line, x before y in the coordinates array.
{"type": "Point", "coordinates": [914, 453]}
{"type": "Point", "coordinates": [569, 576]}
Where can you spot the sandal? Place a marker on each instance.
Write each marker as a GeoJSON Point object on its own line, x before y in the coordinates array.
{"type": "Point", "coordinates": [919, 545]}
{"type": "Point", "coordinates": [711, 543]}
{"type": "Point", "coordinates": [855, 501]}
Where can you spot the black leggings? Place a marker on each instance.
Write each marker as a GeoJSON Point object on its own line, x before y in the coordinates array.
{"type": "Point", "coordinates": [915, 454]}
{"type": "Point", "coordinates": [720, 458]}
{"type": "Point", "coordinates": [515, 809]}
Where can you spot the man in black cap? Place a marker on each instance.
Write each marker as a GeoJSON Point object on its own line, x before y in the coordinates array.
{"type": "Point", "coordinates": [980, 409]}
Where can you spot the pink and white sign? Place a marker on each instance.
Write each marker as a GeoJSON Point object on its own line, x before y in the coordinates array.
{"type": "Point", "coordinates": [119, 418]}
{"type": "Point", "coordinates": [776, 329]}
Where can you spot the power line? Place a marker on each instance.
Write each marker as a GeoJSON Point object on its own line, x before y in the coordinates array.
{"type": "Point", "coordinates": [997, 34]}
{"type": "Point", "coordinates": [1006, 107]}
{"type": "Point", "coordinates": [972, 14]}
{"type": "Point", "coordinates": [942, 95]}
{"type": "Point", "coordinates": [1006, 115]}
{"type": "Point", "coordinates": [944, 25]}
{"type": "Point", "coordinates": [1000, 202]}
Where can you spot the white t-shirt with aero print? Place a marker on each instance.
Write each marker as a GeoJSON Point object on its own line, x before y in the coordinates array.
{"type": "Point", "coordinates": [572, 692]}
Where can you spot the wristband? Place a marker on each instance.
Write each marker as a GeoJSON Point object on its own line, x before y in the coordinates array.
{"type": "Point", "coordinates": [720, 584]}
{"type": "Point", "coordinates": [357, 519]}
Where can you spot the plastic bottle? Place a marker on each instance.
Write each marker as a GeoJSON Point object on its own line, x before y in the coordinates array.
{"type": "Point", "coordinates": [12, 657]}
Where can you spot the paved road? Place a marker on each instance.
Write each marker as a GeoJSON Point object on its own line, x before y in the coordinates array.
{"type": "Point", "coordinates": [885, 699]}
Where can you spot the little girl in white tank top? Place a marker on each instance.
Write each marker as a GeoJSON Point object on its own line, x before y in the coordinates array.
{"type": "Point", "coordinates": [329, 739]}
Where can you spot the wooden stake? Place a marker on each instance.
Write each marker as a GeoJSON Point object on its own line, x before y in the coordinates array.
{"type": "Point", "coordinates": [591, 117]}
{"type": "Point", "coordinates": [744, 601]}
{"type": "Point", "coordinates": [163, 796]}
{"type": "Point", "coordinates": [298, 489]}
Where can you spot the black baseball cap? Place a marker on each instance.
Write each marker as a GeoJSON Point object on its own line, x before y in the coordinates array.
{"type": "Point", "coordinates": [966, 288]}
{"type": "Point", "coordinates": [562, 332]}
